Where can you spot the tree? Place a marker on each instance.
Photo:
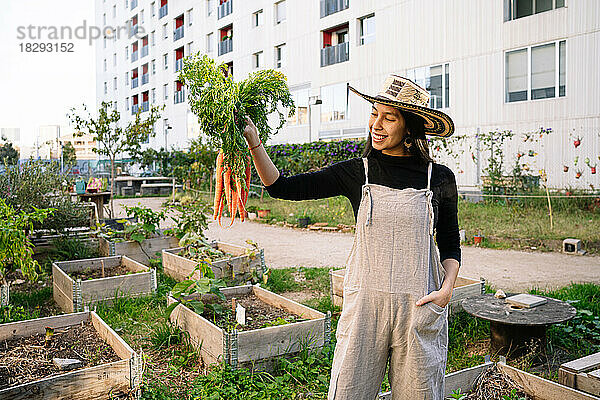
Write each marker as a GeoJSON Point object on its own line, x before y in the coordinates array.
{"type": "Point", "coordinates": [111, 137]}
{"type": "Point", "coordinates": [68, 155]}
{"type": "Point", "coordinates": [8, 154]}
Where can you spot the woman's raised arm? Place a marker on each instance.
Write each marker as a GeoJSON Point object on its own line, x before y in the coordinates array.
{"type": "Point", "coordinates": [267, 171]}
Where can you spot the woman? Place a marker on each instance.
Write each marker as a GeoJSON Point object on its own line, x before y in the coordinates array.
{"type": "Point", "coordinates": [396, 290]}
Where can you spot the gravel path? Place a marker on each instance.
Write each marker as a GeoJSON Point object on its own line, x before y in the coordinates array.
{"type": "Point", "coordinates": [506, 269]}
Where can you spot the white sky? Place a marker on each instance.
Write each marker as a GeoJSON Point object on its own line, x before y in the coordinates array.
{"type": "Point", "coordinates": [40, 88]}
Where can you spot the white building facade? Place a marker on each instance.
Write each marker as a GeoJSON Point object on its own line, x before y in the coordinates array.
{"type": "Point", "coordinates": [489, 64]}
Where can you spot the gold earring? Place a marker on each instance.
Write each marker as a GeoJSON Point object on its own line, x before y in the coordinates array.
{"type": "Point", "coordinates": [408, 142]}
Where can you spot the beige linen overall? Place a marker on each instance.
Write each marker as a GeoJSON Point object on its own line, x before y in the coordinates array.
{"type": "Point", "coordinates": [393, 262]}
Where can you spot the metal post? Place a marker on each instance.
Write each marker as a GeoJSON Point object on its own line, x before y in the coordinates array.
{"type": "Point", "coordinates": [234, 349]}
{"type": "Point", "coordinates": [478, 157]}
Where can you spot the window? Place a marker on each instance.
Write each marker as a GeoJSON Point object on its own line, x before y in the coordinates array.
{"type": "Point", "coordinates": [436, 80]}
{"type": "Point", "coordinates": [115, 83]}
{"type": "Point", "coordinates": [127, 78]}
{"type": "Point", "coordinates": [165, 31]}
{"type": "Point", "coordinates": [258, 18]}
{"type": "Point", "coordinates": [153, 38]}
{"type": "Point", "coordinates": [153, 67]}
{"type": "Point", "coordinates": [367, 30]}
{"type": "Point", "coordinates": [153, 96]}
{"type": "Point", "coordinates": [189, 17]}
{"type": "Point", "coordinates": [115, 108]}
{"type": "Point", "coordinates": [335, 102]}
{"type": "Point", "coordinates": [104, 18]}
{"type": "Point", "coordinates": [114, 11]}
{"type": "Point", "coordinates": [142, 16]}
{"type": "Point", "coordinates": [104, 41]}
{"type": "Point", "coordinates": [166, 61]}
{"type": "Point", "coordinates": [514, 9]}
{"type": "Point", "coordinates": [105, 88]}
{"type": "Point", "coordinates": [114, 58]}
{"type": "Point", "coordinates": [209, 43]}
{"type": "Point", "coordinates": [210, 7]}
{"type": "Point", "coordinates": [127, 103]}
{"type": "Point", "coordinates": [280, 56]}
{"type": "Point", "coordinates": [127, 52]}
{"type": "Point", "coordinates": [189, 48]}
{"type": "Point", "coordinates": [531, 73]}
{"type": "Point", "coordinates": [257, 60]}
{"type": "Point", "coordinates": [105, 65]}
{"type": "Point", "coordinates": [280, 12]}
{"type": "Point", "coordinates": [166, 91]}
{"type": "Point", "coordinates": [301, 102]}
{"type": "Point", "coordinates": [152, 9]}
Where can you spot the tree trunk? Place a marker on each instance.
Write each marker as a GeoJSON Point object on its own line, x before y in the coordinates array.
{"type": "Point", "coordinates": [112, 187]}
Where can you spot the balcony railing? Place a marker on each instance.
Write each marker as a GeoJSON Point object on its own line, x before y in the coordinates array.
{"type": "Point", "coordinates": [134, 56]}
{"type": "Point", "coordinates": [179, 96]}
{"type": "Point", "coordinates": [178, 33]}
{"type": "Point", "coordinates": [134, 4]}
{"type": "Point", "coordinates": [225, 9]}
{"type": "Point", "coordinates": [134, 109]}
{"type": "Point", "coordinates": [134, 82]}
{"type": "Point", "coordinates": [145, 106]}
{"type": "Point", "coordinates": [335, 54]}
{"type": "Point", "coordinates": [163, 11]}
{"type": "Point", "coordinates": [178, 64]}
{"type": "Point", "coordinates": [329, 7]}
{"type": "Point", "coordinates": [225, 46]}
{"type": "Point", "coordinates": [133, 30]}
{"type": "Point", "coordinates": [145, 78]}
{"type": "Point", "coordinates": [144, 51]}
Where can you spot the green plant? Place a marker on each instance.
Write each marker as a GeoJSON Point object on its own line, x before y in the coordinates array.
{"type": "Point", "coordinates": [458, 394]}
{"type": "Point", "coordinates": [191, 218]}
{"type": "Point", "coordinates": [513, 396]}
{"type": "Point", "coordinates": [147, 223]}
{"type": "Point", "coordinates": [16, 250]}
{"type": "Point", "coordinates": [165, 335]}
{"type": "Point", "coordinates": [8, 154]}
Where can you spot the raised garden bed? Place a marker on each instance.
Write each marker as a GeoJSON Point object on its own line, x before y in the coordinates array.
{"type": "Point", "coordinates": [238, 267]}
{"type": "Point", "coordinates": [80, 283]}
{"type": "Point", "coordinates": [463, 288]}
{"type": "Point", "coordinates": [135, 250]}
{"type": "Point", "coordinates": [532, 386]}
{"type": "Point", "coordinates": [255, 347]}
{"type": "Point", "coordinates": [109, 367]}
{"type": "Point", "coordinates": [582, 374]}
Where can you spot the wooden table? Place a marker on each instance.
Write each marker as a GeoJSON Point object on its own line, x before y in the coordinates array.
{"type": "Point", "coordinates": [513, 328]}
{"type": "Point", "coordinates": [99, 199]}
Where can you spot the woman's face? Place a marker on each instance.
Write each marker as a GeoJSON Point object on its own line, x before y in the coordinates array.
{"type": "Point", "coordinates": [388, 129]}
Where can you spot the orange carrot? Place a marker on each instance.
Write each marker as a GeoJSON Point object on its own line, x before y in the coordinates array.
{"type": "Point", "coordinates": [221, 203]}
{"type": "Point", "coordinates": [218, 184]}
{"type": "Point", "coordinates": [234, 206]}
{"type": "Point", "coordinates": [227, 183]}
{"type": "Point", "coordinates": [243, 209]}
{"type": "Point", "coordinates": [240, 192]}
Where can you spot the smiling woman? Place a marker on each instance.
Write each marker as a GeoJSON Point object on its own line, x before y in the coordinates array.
{"type": "Point", "coordinates": [397, 285]}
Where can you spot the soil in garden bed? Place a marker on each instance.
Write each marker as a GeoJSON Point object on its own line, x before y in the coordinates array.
{"type": "Point", "coordinates": [87, 274]}
{"type": "Point", "coordinates": [258, 314]}
{"type": "Point", "coordinates": [26, 359]}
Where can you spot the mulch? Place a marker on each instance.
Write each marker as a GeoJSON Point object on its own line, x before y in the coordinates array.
{"type": "Point", "coordinates": [88, 273]}
{"type": "Point", "coordinates": [26, 359]}
{"type": "Point", "coordinates": [493, 384]}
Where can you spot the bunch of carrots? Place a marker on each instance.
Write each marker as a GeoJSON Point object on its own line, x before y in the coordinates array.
{"type": "Point", "coordinates": [230, 189]}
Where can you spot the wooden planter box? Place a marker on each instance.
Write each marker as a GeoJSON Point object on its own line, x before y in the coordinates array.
{"type": "Point", "coordinates": [72, 295]}
{"type": "Point", "coordinates": [537, 388]}
{"type": "Point", "coordinates": [240, 266]}
{"type": "Point", "coordinates": [582, 374]}
{"type": "Point", "coordinates": [255, 348]}
{"type": "Point", "coordinates": [463, 288]}
{"type": "Point", "coordinates": [135, 250]}
{"type": "Point", "coordinates": [100, 382]}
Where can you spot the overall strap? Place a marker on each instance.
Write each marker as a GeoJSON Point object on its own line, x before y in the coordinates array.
{"type": "Point", "coordinates": [429, 168]}
{"type": "Point", "coordinates": [368, 192]}
{"type": "Point", "coordinates": [366, 165]}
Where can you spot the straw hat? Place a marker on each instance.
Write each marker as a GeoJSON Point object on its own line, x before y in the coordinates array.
{"type": "Point", "coordinates": [406, 95]}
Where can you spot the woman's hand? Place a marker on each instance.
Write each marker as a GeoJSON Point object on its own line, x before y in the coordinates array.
{"type": "Point", "coordinates": [440, 297]}
{"type": "Point", "coordinates": [251, 133]}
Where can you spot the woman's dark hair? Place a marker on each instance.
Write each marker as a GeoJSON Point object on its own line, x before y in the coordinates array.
{"type": "Point", "coordinates": [415, 126]}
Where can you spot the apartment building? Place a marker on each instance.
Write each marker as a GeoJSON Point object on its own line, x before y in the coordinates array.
{"type": "Point", "coordinates": [84, 145]}
{"type": "Point", "coordinates": [491, 65]}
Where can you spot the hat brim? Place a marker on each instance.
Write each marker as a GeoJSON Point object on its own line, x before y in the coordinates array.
{"type": "Point", "coordinates": [436, 122]}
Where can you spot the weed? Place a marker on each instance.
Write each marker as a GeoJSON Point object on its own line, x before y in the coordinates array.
{"type": "Point", "coordinates": [165, 335]}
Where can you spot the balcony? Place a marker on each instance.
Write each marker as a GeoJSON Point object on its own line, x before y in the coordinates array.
{"type": "Point", "coordinates": [133, 30]}
{"type": "Point", "coordinates": [178, 33]}
{"type": "Point", "coordinates": [144, 51]}
{"type": "Point", "coordinates": [178, 64]}
{"type": "Point", "coordinates": [179, 96]}
{"type": "Point", "coordinates": [329, 7]}
{"type": "Point", "coordinates": [225, 46]}
{"type": "Point", "coordinates": [145, 105]}
{"type": "Point", "coordinates": [335, 54]}
{"type": "Point", "coordinates": [163, 11]}
{"type": "Point", "coordinates": [134, 109]}
{"type": "Point", "coordinates": [145, 79]}
{"type": "Point", "coordinates": [225, 9]}
{"type": "Point", "coordinates": [134, 4]}
{"type": "Point", "coordinates": [134, 56]}
{"type": "Point", "coordinates": [134, 82]}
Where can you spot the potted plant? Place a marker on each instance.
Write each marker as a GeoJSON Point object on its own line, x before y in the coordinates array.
{"type": "Point", "coordinates": [478, 239]}
{"type": "Point", "coordinates": [263, 213]}
{"type": "Point", "coordinates": [304, 220]}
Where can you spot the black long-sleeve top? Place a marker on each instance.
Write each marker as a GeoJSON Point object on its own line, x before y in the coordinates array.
{"type": "Point", "coordinates": [347, 177]}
